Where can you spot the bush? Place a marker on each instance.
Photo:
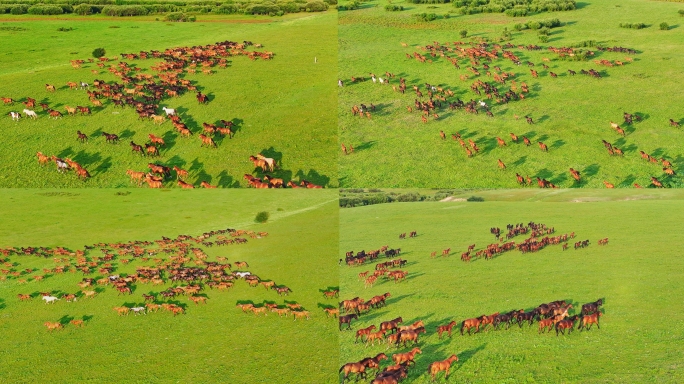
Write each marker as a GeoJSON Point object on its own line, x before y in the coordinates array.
{"type": "Point", "coordinates": [45, 10]}
{"type": "Point", "coordinates": [426, 16]}
{"type": "Point", "coordinates": [681, 12]}
{"type": "Point", "coordinates": [177, 16]}
{"type": "Point", "coordinates": [543, 38]}
{"type": "Point", "coordinates": [633, 25]}
{"type": "Point", "coordinates": [316, 6]}
{"type": "Point", "coordinates": [393, 8]}
{"type": "Point", "coordinates": [475, 198]}
{"type": "Point", "coordinates": [125, 10]}
{"type": "Point", "coordinates": [99, 52]}
{"type": "Point", "coordinates": [664, 26]}
{"type": "Point", "coordinates": [463, 34]}
{"type": "Point", "coordinates": [19, 9]}
{"type": "Point", "coordinates": [262, 217]}
{"type": "Point", "coordinates": [227, 9]}
{"type": "Point", "coordinates": [83, 9]}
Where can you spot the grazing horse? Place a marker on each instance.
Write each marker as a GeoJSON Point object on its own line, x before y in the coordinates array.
{"type": "Point", "coordinates": [443, 365]}
{"type": "Point", "coordinates": [543, 147]}
{"type": "Point", "coordinates": [347, 319]}
{"type": "Point", "coordinates": [201, 98]}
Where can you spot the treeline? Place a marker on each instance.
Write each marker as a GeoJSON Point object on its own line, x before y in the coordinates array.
{"type": "Point", "coordinates": [358, 197]}
{"type": "Point", "coordinates": [513, 8]}
{"type": "Point", "coordinates": [143, 7]}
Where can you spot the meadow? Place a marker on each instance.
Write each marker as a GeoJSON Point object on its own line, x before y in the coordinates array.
{"type": "Point", "coordinates": [637, 274]}
{"type": "Point", "coordinates": [571, 114]}
{"type": "Point", "coordinates": [212, 342]}
{"type": "Point", "coordinates": [282, 108]}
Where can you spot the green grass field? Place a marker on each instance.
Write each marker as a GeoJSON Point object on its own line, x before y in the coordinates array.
{"type": "Point", "coordinates": [638, 274]}
{"type": "Point", "coordinates": [215, 342]}
{"type": "Point", "coordinates": [395, 149]}
{"type": "Point", "coordinates": [284, 107]}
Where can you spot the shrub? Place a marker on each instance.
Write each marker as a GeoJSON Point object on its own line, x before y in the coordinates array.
{"type": "Point", "coordinates": [45, 10]}
{"type": "Point", "coordinates": [262, 217]}
{"type": "Point", "coordinates": [544, 31]}
{"type": "Point", "coordinates": [426, 16]}
{"type": "Point", "coordinates": [664, 26]}
{"type": "Point", "coordinates": [125, 10]}
{"type": "Point", "coordinates": [99, 52]}
{"type": "Point", "coordinates": [543, 38]}
{"type": "Point", "coordinates": [19, 9]}
{"type": "Point", "coordinates": [463, 34]}
{"type": "Point", "coordinates": [316, 6]}
{"type": "Point", "coordinates": [63, 29]}
{"type": "Point", "coordinates": [681, 12]}
{"type": "Point", "coordinates": [83, 9]}
{"type": "Point", "coordinates": [393, 8]}
{"type": "Point", "coordinates": [633, 25]}
{"type": "Point", "coordinates": [227, 9]}
{"type": "Point", "coordinates": [176, 16]}
{"type": "Point", "coordinates": [475, 198]}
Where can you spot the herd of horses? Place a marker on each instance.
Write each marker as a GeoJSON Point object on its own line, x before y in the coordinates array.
{"type": "Point", "coordinates": [144, 92]}
{"type": "Point", "coordinates": [503, 87]}
{"type": "Point", "coordinates": [397, 333]}
{"type": "Point", "coordinates": [180, 261]}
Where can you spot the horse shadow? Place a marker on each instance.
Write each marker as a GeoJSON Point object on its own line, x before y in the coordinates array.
{"type": "Point", "coordinates": [196, 165]}
{"type": "Point", "coordinates": [187, 119]}
{"type": "Point", "coordinates": [543, 119]}
{"type": "Point", "coordinates": [87, 159]}
{"type": "Point", "coordinates": [542, 137]}
{"type": "Point", "coordinates": [64, 320]}
{"type": "Point", "coordinates": [520, 161]}
{"type": "Point", "coordinates": [241, 302]}
{"type": "Point", "coordinates": [87, 318]}
{"type": "Point", "coordinates": [366, 145]}
{"type": "Point", "coordinates": [202, 175]}
{"type": "Point", "coordinates": [557, 144]}
{"type": "Point", "coordinates": [313, 177]}
{"type": "Point", "coordinates": [2, 304]}
{"type": "Point", "coordinates": [545, 174]}
{"type": "Point", "coordinates": [394, 299]}
{"type": "Point", "coordinates": [591, 170]}
{"type": "Point", "coordinates": [658, 152]}
{"type": "Point", "coordinates": [468, 354]}
{"type": "Point", "coordinates": [126, 134]}
{"type": "Point", "coordinates": [227, 181]}
{"type": "Point", "coordinates": [368, 317]}
{"type": "Point", "coordinates": [177, 161]}
{"type": "Point", "coordinates": [326, 306]}
{"type": "Point", "coordinates": [103, 167]}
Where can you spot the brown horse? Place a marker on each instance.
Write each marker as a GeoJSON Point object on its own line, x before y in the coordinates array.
{"type": "Point", "coordinates": [445, 328]}
{"type": "Point", "coordinates": [357, 368]}
{"type": "Point", "coordinates": [471, 323]}
{"type": "Point", "coordinates": [443, 365]}
{"type": "Point", "coordinates": [391, 325]}
{"type": "Point", "coordinates": [568, 324]}
{"type": "Point", "coordinates": [406, 358]}
{"type": "Point", "coordinates": [589, 320]}
{"type": "Point", "coordinates": [410, 335]}
{"type": "Point", "coordinates": [364, 332]}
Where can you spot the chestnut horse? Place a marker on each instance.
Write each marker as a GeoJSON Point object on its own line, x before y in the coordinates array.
{"type": "Point", "coordinates": [443, 365]}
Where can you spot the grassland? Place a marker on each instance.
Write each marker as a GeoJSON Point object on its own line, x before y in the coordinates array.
{"type": "Point", "coordinates": [638, 274]}
{"type": "Point", "coordinates": [284, 107]}
{"type": "Point", "coordinates": [210, 343]}
{"type": "Point", "coordinates": [395, 149]}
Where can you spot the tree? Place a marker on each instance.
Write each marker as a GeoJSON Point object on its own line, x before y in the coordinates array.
{"type": "Point", "coordinates": [262, 217]}
{"type": "Point", "coordinates": [99, 52]}
{"type": "Point", "coordinates": [463, 34]}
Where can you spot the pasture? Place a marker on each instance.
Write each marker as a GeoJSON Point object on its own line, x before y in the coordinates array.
{"type": "Point", "coordinates": [208, 341]}
{"type": "Point", "coordinates": [570, 114]}
{"type": "Point", "coordinates": [637, 274]}
{"type": "Point", "coordinates": [280, 105]}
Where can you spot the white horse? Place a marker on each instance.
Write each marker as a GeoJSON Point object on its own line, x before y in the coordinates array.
{"type": "Point", "coordinates": [137, 310]}
{"type": "Point", "coordinates": [339, 83]}
{"type": "Point", "coordinates": [15, 116]}
{"type": "Point", "coordinates": [169, 111]}
{"type": "Point", "coordinates": [61, 165]}
{"type": "Point", "coordinates": [113, 277]}
{"type": "Point", "coordinates": [482, 104]}
{"type": "Point", "coordinates": [242, 275]}
{"type": "Point", "coordinates": [382, 81]}
{"type": "Point", "coordinates": [374, 79]}
{"type": "Point", "coordinates": [84, 85]}
{"type": "Point", "coordinates": [271, 162]}
{"type": "Point", "coordinates": [49, 299]}
{"type": "Point", "coordinates": [30, 113]}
